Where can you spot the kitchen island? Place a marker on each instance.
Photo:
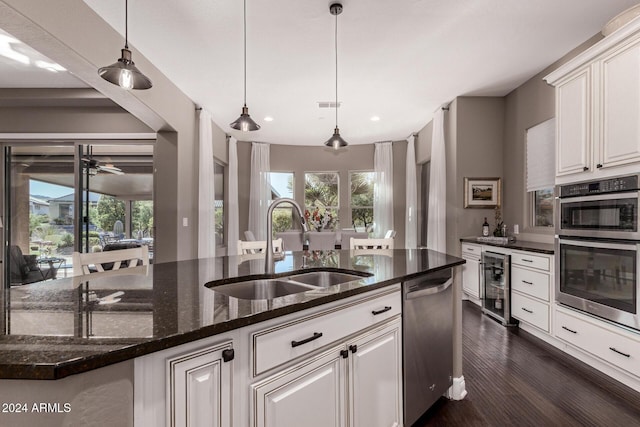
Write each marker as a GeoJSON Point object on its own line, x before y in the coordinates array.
{"type": "Point", "coordinates": [98, 327]}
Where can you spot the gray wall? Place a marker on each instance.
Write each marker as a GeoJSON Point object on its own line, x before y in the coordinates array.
{"type": "Point", "coordinates": [286, 158]}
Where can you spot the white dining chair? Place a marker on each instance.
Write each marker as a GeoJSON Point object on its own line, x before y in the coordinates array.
{"type": "Point", "coordinates": [257, 246]}
{"type": "Point", "coordinates": [109, 261]}
{"type": "Point", "coordinates": [371, 243]}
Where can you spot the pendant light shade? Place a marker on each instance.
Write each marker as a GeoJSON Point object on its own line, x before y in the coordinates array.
{"type": "Point", "coordinates": [245, 123]}
{"type": "Point", "coordinates": [124, 72]}
{"type": "Point", "coordinates": [336, 141]}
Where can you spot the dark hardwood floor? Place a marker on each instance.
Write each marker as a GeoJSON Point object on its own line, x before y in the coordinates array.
{"type": "Point", "coordinates": [515, 379]}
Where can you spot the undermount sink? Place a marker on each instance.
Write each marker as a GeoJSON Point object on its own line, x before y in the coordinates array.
{"type": "Point", "coordinates": [324, 279]}
{"type": "Point", "coordinates": [262, 289]}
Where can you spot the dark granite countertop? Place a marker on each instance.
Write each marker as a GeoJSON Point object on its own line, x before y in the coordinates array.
{"type": "Point", "coordinates": [542, 248]}
{"type": "Point", "coordinates": [69, 326]}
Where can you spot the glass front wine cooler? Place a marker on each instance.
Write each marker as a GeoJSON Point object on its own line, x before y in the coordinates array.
{"type": "Point", "coordinates": [495, 282]}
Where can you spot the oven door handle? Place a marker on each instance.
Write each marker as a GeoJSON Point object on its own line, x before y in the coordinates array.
{"type": "Point", "coordinates": [631, 246]}
{"type": "Point", "coordinates": [598, 197]}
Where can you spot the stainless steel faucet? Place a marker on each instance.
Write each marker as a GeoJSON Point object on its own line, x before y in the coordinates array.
{"type": "Point", "coordinates": [269, 267]}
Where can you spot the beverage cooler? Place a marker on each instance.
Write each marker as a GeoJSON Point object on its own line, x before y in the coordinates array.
{"type": "Point", "coordinates": [496, 287]}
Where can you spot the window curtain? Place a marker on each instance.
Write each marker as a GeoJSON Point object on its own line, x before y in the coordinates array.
{"type": "Point", "coordinates": [233, 224]}
{"type": "Point", "coordinates": [206, 196]}
{"type": "Point", "coordinates": [260, 192]}
{"type": "Point", "coordinates": [411, 213]}
{"type": "Point", "coordinates": [383, 188]}
{"type": "Point", "coordinates": [541, 156]}
{"type": "Point", "coordinates": [437, 223]}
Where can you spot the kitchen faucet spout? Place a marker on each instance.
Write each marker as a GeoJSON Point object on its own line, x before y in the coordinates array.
{"type": "Point", "coordinates": [269, 267]}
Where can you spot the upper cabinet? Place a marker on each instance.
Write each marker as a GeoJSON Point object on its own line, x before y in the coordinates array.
{"type": "Point", "coordinates": [598, 108]}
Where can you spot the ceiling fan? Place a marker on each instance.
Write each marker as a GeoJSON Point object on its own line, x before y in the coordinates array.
{"type": "Point", "coordinates": [94, 167]}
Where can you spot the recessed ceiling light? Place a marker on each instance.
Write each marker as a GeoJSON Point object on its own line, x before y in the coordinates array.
{"type": "Point", "coordinates": [375, 118]}
{"type": "Point", "coordinates": [268, 119]}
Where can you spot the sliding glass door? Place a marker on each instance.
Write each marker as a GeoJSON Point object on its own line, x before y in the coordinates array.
{"type": "Point", "coordinates": [61, 198]}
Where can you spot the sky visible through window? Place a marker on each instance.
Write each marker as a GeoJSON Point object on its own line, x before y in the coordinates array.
{"type": "Point", "coordinates": [39, 188]}
{"type": "Point", "coordinates": [279, 182]}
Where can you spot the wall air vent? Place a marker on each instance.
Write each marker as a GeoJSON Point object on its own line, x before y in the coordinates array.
{"type": "Point", "coordinates": [328, 104]}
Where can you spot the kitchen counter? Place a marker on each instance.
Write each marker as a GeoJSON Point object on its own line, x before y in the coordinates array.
{"type": "Point", "coordinates": [543, 248]}
{"type": "Point", "coordinates": [69, 326]}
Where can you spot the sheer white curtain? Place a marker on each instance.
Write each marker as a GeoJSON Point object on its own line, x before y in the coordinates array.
{"type": "Point", "coordinates": [437, 222]}
{"type": "Point", "coordinates": [206, 195]}
{"type": "Point", "coordinates": [260, 192]}
{"type": "Point", "coordinates": [411, 214]}
{"type": "Point", "coordinates": [383, 188]}
{"type": "Point", "coordinates": [233, 226]}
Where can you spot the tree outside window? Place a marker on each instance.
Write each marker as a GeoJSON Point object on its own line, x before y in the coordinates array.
{"type": "Point", "coordinates": [543, 208]}
{"type": "Point", "coordinates": [362, 184]}
{"type": "Point", "coordinates": [322, 191]}
{"type": "Point", "coordinates": [282, 186]}
{"type": "Point", "coordinates": [218, 196]}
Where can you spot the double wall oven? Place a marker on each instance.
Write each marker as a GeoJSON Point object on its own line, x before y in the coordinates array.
{"type": "Point", "coordinates": [598, 248]}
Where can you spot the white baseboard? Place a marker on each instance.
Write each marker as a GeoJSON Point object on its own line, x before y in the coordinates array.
{"type": "Point", "coordinates": [457, 391]}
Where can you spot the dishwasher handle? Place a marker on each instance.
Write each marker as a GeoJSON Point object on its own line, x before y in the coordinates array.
{"type": "Point", "coordinates": [417, 291]}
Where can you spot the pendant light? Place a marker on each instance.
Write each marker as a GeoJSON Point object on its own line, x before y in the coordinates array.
{"type": "Point", "coordinates": [336, 140]}
{"type": "Point", "coordinates": [124, 72]}
{"type": "Point", "coordinates": [245, 122]}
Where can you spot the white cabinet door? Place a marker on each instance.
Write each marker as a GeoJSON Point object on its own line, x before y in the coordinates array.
{"type": "Point", "coordinates": [573, 107]}
{"type": "Point", "coordinates": [200, 388]}
{"type": "Point", "coordinates": [471, 277]}
{"type": "Point", "coordinates": [309, 394]}
{"type": "Point", "coordinates": [375, 380]}
{"type": "Point", "coordinates": [620, 140]}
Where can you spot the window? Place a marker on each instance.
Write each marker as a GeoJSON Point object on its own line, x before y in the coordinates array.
{"type": "Point", "coordinates": [542, 202]}
{"type": "Point", "coordinates": [282, 186]}
{"type": "Point", "coordinates": [218, 196]}
{"type": "Point", "coordinates": [361, 199]}
{"type": "Point", "coordinates": [540, 149]}
{"type": "Point", "coordinates": [322, 192]}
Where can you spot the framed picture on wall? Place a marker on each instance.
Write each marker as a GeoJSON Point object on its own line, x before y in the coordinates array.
{"type": "Point", "coordinates": [481, 192]}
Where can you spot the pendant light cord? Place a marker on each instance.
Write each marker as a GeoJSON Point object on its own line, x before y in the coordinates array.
{"type": "Point", "coordinates": [336, 46]}
{"type": "Point", "coordinates": [245, 51]}
{"type": "Point", "coordinates": [126, 24]}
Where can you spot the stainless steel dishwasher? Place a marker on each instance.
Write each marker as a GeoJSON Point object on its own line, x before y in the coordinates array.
{"type": "Point", "coordinates": [427, 328]}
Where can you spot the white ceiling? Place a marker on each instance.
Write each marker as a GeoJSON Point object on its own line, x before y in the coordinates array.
{"type": "Point", "coordinates": [398, 60]}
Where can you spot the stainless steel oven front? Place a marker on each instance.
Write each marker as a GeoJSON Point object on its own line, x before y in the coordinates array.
{"type": "Point", "coordinates": [599, 277]}
{"type": "Point", "coordinates": [605, 208]}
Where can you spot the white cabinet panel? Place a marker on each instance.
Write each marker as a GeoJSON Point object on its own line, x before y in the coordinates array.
{"type": "Point", "coordinates": [200, 388]}
{"type": "Point", "coordinates": [531, 311]}
{"type": "Point", "coordinates": [284, 342]}
{"type": "Point", "coordinates": [471, 277]}
{"type": "Point", "coordinates": [620, 142]}
{"type": "Point", "coordinates": [309, 395]}
{"type": "Point", "coordinates": [573, 106]}
{"type": "Point", "coordinates": [376, 379]}
{"type": "Point", "coordinates": [616, 346]}
{"type": "Point", "coordinates": [533, 283]}
{"type": "Point", "coordinates": [527, 259]}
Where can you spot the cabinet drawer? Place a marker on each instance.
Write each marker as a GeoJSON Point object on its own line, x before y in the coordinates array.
{"type": "Point", "coordinates": [530, 282]}
{"type": "Point", "coordinates": [531, 311]}
{"type": "Point", "coordinates": [529, 260]}
{"type": "Point", "coordinates": [471, 250]}
{"type": "Point", "coordinates": [619, 349]}
{"type": "Point", "coordinates": [282, 343]}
